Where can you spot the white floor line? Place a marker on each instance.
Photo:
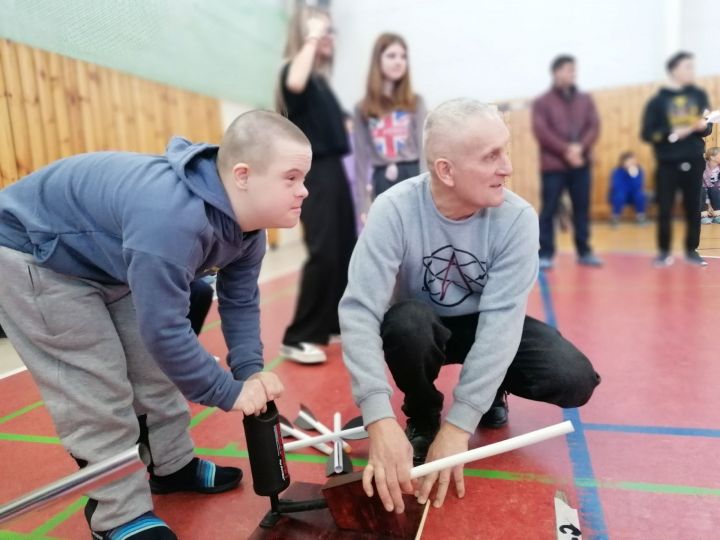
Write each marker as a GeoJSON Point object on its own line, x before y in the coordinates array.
{"type": "Point", "coordinates": [12, 372]}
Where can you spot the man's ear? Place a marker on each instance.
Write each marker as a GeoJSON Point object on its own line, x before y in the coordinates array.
{"type": "Point", "coordinates": [444, 171]}
{"type": "Point", "coordinates": [241, 173]}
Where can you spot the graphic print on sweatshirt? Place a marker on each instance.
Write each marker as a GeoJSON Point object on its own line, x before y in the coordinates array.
{"type": "Point", "coordinates": [683, 111]}
{"type": "Point", "coordinates": [452, 275]}
{"type": "Point", "coordinates": [390, 133]}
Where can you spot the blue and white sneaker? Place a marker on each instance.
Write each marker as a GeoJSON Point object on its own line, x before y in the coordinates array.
{"type": "Point", "coordinates": [200, 476]}
{"type": "Point", "coordinates": [145, 527]}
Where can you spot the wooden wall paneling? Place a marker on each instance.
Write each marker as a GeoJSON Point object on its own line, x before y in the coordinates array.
{"type": "Point", "coordinates": [14, 97]}
{"type": "Point", "coordinates": [59, 103]}
{"type": "Point", "coordinates": [48, 126]}
{"type": "Point", "coordinates": [122, 135]}
{"type": "Point", "coordinates": [89, 137]}
{"type": "Point", "coordinates": [72, 98]}
{"type": "Point", "coordinates": [142, 121]}
{"type": "Point", "coordinates": [8, 167]}
{"type": "Point", "coordinates": [31, 105]}
{"type": "Point", "coordinates": [107, 118]}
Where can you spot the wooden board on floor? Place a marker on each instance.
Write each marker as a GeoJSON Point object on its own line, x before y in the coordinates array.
{"type": "Point", "coordinates": [316, 524]}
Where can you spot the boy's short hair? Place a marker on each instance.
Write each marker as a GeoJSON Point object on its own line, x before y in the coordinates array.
{"type": "Point", "coordinates": [625, 156]}
{"type": "Point", "coordinates": [675, 60]}
{"type": "Point", "coordinates": [251, 138]}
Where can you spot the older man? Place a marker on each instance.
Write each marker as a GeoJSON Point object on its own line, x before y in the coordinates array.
{"type": "Point", "coordinates": [441, 274]}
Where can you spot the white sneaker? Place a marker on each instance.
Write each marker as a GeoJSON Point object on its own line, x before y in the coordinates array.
{"type": "Point", "coordinates": [304, 353]}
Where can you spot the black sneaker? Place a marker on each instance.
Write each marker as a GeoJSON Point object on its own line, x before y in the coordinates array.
{"type": "Point", "coordinates": [497, 414]}
{"type": "Point", "coordinates": [200, 476]}
{"type": "Point", "coordinates": [145, 527]}
{"type": "Point", "coordinates": [421, 434]}
{"type": "Point", "coordinates": [694, 258]}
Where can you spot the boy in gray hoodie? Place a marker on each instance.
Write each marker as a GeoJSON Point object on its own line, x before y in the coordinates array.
{"type": "Point", "coordinates": [98, 253]}
{"type": "Point", "coordinates": [441, 274]}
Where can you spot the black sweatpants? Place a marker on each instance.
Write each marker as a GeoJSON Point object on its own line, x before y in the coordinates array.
{"type": "Point", "coordinates": [670, 178]}
{"type": "Point", "coordinates": [328, 220]}
{"type": "Point", "coordinates": [417, 343]}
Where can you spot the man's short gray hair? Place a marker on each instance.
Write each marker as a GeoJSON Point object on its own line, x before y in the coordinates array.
{"type": "Point", "coordinates": [450, 116]}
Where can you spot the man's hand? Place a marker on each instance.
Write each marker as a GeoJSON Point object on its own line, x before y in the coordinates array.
{"type": "Point", "coordinates": [574, 155]}
{"type": "Point", "coordinates": [389, 463]}
{"type": "Point", "coordinates": [450, 440]}
{"type": "Point", "coordinates": [273, 387]}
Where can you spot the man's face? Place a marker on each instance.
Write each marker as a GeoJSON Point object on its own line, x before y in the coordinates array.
{"type": "Point", "coordinates": [684, 72]}
{"type": "Point", "coordinates": [565, 75]}
{"type": "Point", "coordinates": [276, 193]}
{"type": "Point", "coordinates": [482, 165]}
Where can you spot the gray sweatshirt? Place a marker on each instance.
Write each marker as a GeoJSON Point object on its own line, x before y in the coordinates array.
{"type": "Point", "coordinates": [484, 264]}
{"type": "Point", "coordinates": [394, 138]}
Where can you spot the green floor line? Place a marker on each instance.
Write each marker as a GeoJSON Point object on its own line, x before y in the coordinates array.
{"type": "Point", "coordinates": [61, 516]}
{"type": "Point", "coordinates": [202, 415]}
{"type": "Point", "coordinates": [20, 412]}
{"type": "Point", "coordinates": [19, 437]}
{"type": "Point", "coordinates": [233, 451]}
{"type": "Point", "coordinates": [12, 535]}
{"type": "Point", "coordinates": [275, 362]}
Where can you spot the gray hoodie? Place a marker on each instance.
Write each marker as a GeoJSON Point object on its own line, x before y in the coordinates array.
{"type": "Point", "coordinates": [484, 264]}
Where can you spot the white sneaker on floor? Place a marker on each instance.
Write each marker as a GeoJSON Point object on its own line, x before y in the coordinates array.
{"type": "Point", "coordinates": [303, 353]}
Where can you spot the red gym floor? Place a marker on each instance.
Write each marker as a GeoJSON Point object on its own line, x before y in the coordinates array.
{"type": "Point", "coordinates": [641, 465]}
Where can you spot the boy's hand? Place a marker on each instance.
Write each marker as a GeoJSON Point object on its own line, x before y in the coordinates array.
{"type": "Point", "coordinates": [252, 399]}
{"type": "Point", "coordinates": [273, 387]}
{"type": "Point", "coordinates": [701, 125]}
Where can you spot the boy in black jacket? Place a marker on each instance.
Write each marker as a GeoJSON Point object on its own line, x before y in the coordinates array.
{"type": "Point", "coordinates": [674, 124]}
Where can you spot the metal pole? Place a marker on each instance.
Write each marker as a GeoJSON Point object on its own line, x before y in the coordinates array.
{"type": "Point", "coordinates": [91, 477]}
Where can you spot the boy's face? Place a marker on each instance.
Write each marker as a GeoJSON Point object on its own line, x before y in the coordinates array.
{"type": "Point", "coordinates": [684, 72]}
{"type": "Point", "coordinates": [277, 193]}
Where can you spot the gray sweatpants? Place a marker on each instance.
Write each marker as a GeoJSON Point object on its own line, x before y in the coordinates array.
{"type": "Point", "coordinates": [80, 340]}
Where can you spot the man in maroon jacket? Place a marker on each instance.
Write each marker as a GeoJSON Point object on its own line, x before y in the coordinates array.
{"type": "Point", "coordinates": [566, 126]}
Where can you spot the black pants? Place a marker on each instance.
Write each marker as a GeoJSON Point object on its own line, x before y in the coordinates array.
{"type": "Point", "coordinates": [417, 343]}
{"type": "Point", "coordinates": [201, 297]}
{"type": "Point", "coordinates": [670, 179]}
{"type": "Point", "coordinates": [328, 222]}
{"type": "Point", "coordinates": [577, 182]}
{"type": "Point", "coordinates": [713, 194]}
{"type": "Point", "coordinates": [406, 169]}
